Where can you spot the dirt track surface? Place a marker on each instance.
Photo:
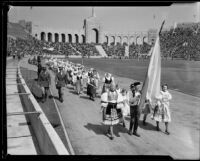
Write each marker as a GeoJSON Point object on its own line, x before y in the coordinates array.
{"type": "Point", "coordinates": [83, 122]}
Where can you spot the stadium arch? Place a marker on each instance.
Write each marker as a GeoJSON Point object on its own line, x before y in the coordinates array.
{"type": "Point", "coordinates": [63, 38]}
{"type": "Point", "coordinates": [49, 37]}
{"type": "Point", "coordinates": [76, 38]}
{"type": "Point", "coordinates": [56, 35]}
{"type": "Point", "coordinates": [70, 38]}
{"type": "Point", "coordinates": [43, 36]}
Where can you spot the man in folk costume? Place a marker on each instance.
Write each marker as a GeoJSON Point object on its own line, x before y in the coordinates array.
{"type": "Point", "coordinates": [44, 81]}
{"type": "Point", "coordinates": [134, 99]}
{"type": "Point", "coordinates": [111, 115]}
{"type": "Point", "coordinates": [107, 80]}
{"type": "Point", "coordinates": [60, 81]}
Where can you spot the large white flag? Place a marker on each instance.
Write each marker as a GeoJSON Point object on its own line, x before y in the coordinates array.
{"type": "Point", "coordinates": [151, 85]}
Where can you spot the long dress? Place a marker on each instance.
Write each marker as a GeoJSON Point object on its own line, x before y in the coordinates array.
{"type": "Point", "coordinates": [112, 115]}
{"type": "Point", "coordinates": [162, 110]}
{"type": "Point", "coordinates": [79, 83]}
{"type": "Point", "coordinates": [91, 88]}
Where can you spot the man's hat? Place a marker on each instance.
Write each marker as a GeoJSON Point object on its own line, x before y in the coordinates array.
{"type": "Point", "coordinates": [134, 84]}
{"type": "Point", "coordinates": [60, 67]}
{"type": "Point", "coordinates": [44, 68]}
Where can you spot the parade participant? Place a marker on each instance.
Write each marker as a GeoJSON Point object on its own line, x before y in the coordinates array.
{"type": "Point", "coordinates": [44, 81]}
{"type": "Point", "coordinates": [111, 115]}
{"type": "Point", "coordinates": [146, 110]}
{"type": "Point", "coordinates": [96, 78]}
{"type": "Point", "coordinates": [134, 98]}
{"type": "Point", "coordinates": [85, 78]}
{"type": "Point", "coordinates": [107, 80]}
{"type": "Point", "coordinates": [39, 68]}
{"type": "Point", "coordinates": [117, 88]}
{"type": "Point", "coordinates": [162, 111]}
{"type": "Point", "coordinates": [74, 78]}
{"type": "Point", "coordinates": [79, 82]}
{"type": "Point", "coordinates": [90, 72]}
{"type": "Point", "coordinates": [91, 88]}
{"type": "Point", "coordinates": [123, 104]}
{"type": "Point", "coordinates": [60, 81]}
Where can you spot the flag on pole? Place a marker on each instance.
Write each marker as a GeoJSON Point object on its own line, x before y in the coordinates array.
{"type": "Point", "coordinates": [151, 86]}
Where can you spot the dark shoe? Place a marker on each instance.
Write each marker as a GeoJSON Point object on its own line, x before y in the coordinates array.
{"type": "Point", "coordinates": [144, 123]}
{"type": "Point", "coordinates": [166, 132]}
{"type": "Point", "coordinates": [111, 138]}
{"type": "Point", "coordinates": [130, 133]}
{"type": "Point", "coordinates": [108, 132]}
{"type": "Point", "coordinates": [158, 129]}
{"type": "Point", "coordinates": [61, 100]}
{"type": "Point", "coordinates": [136, 134]}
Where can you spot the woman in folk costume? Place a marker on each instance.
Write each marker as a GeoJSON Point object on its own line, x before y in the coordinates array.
{"type": "Point", "coordinates": [85, 78]}
{"type": "Point", "coordinates": [118, 89]}
{"type": "Point", "coordinates": [79, 82]}
{"type": "Point", "coordinates": [162, 110]}
{"type": "Point", "coordinates": [74, 78]}
{"type": "Point", "coordinates": [70, 74]}
{"type": "Point", "coordinates": [90, 72]}
{"type": "Point", "coordinates": [91, 87]}
{"type": "Point", "coordinates": [96, 78]}
{"type": "Point", "coordinates": [111, 115]}
{"type": "Point", "coordinates": [107, 80]}
{"type": "Point", "coordinates": [123, 104]}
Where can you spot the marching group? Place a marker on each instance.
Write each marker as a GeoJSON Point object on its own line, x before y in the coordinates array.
{"type": "Point", "coordinates": [116, 103]}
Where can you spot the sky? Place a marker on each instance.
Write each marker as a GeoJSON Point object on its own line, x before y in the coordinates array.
{"type": "Point", "coordinates": [113, 19]}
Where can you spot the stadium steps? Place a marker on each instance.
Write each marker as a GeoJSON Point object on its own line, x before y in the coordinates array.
{"type": "Point", "coordinates": [101, 50]}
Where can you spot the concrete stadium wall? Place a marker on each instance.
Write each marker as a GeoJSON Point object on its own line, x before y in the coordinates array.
{"type": "Point", "coordinates": [48, 140]}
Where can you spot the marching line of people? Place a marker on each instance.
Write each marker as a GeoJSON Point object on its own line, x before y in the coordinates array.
{"type": "Point", "coordinates": [116, 103]}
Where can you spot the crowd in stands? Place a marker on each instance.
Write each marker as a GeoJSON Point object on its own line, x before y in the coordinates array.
{"type": "Point", "coordinates": [181, 42]}
{"type": "Point", "coordinates": [117, 50]}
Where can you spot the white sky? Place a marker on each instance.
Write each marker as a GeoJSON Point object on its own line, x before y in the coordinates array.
{"type": "Point", "coordinates": [114, 19]}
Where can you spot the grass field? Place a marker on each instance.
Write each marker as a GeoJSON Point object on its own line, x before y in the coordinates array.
{"type": "Point", "coordinates": [180, 75]}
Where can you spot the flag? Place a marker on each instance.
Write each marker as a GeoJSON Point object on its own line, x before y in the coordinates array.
{"type": "Point", "coordinates": [151, 85]}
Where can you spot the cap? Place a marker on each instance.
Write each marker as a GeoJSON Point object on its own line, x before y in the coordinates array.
{"type": "Point", "coordinates": [136, 83]}
{"type": "Point", "coordinates": [44, 68]}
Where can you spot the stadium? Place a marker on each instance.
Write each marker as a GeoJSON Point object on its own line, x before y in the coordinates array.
{"type": "Point", "coordinates": [76, 121]}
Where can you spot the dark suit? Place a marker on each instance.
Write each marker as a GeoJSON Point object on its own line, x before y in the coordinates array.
{"type": "Point", "coordinates": [44, 81]}
{"type": "Point", "coordinates": [61, 80]}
